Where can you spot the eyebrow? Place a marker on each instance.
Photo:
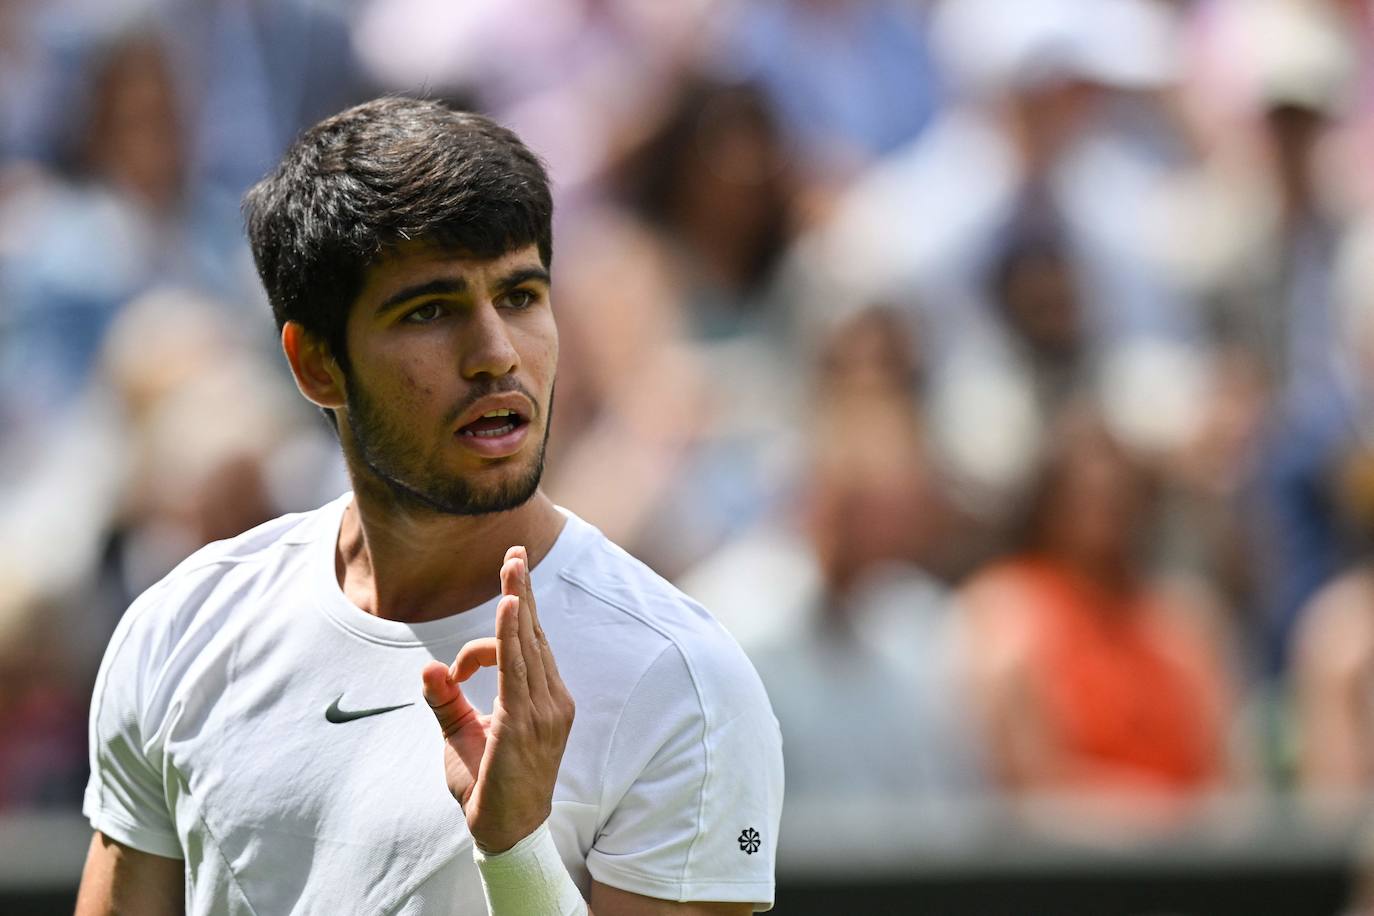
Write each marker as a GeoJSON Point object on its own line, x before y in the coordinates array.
{"type": "Point", "coordinates": [523, 275]}
{"type": "Point", "coordinates": [457, 285]}
{"type": "Point", "coordinates": [432, 288]}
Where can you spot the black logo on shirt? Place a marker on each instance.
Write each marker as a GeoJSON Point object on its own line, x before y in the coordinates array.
{"type": "Point", "coordinates": [336, 715]}
{"type": "Point", "coordinates": [749, 840]}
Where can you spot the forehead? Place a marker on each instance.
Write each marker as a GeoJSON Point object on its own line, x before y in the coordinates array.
{"type": "Point", "coordinates": [413, 263]}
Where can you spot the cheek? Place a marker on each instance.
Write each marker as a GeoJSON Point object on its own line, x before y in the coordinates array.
{"type": "Point", "coordinates": [414, 398]}
{"type": "Point", "coordinates": [406, 391]}
{"type": "Point", "coordinates": [416, 386]}
{"type": "Point", "coordinates": [553, 358]}
{"type": "Point", "coordinates": [541, 355]}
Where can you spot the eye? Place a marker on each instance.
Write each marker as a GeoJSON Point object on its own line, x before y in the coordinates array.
{"type": "Point", "coordinates": [520, 298]}
{"type": "Point", "coordinates": [427, 312]}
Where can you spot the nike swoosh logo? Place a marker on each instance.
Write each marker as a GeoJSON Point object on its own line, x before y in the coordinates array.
{"type": "Point", "coordinates": [336, 715]}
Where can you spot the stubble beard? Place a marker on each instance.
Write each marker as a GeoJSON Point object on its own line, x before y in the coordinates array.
{"type": "Point", "coordinates": [382, 447]}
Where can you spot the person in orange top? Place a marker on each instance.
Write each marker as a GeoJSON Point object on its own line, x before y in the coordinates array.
{"type": "Point", "coordinates": [1096, 680]}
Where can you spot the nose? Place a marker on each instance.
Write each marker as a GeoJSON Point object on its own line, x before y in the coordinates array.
{"type": "Point", "coordinates": [487, 346]}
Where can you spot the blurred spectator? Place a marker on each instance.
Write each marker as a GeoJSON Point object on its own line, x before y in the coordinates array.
{"type": "Point", "coordinates": [576, 79]}
{"type": "Point", "coordinates": [1297, 504]}
{"type": "Point", "coordinates": [1034, 357]}
{"type": "Point", "coordinates": [43, 698]}
{"type": "Point", "coordinates": [29, 85]}
{"type": "Point", "coordinates": [1331, 490]}
{"type": "Point", "coordinates": [45, 52]}
{"type": "Point", "coordinates": [840, 110]}
{"type": "Point", "coordinates": [255, 72]}
{"type": "Point", "coordinates": [1208, 523]}
{"type": "Point", "coordinates": [214, 454]}
{"type": "Point", "coordinates": [1277, 213]}
{"type": "Point", "coordinates": [714, 180]}
{"type": "Point", "coordinates": [870, 359]}
{"type": "Point", "coordinates": [1030, 148]}
{"type": "Point", "coordinates": [183, 435]}
{"type": "Point", "coordinates": [1151, 207]}
{"type": "Point", "coordinates": [633, 397]}
{"type": "Point", "coordinates": [870, 668]}
{"type": "Point", "coordinates": [1096, 679]}
{"type": "Point", "coordinates": [1333, 681]}
{"type": "Point", "coordinates": [83, 249]}
{"type": "Point", "coordinates": [857, 642]}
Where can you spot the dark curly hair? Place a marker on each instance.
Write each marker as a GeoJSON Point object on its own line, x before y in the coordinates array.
{"type": "Point", "coordinates": [379, 174]}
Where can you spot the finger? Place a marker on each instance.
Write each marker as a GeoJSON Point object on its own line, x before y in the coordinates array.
{"type": "Point", "coordinates": [512, 678]}
{"type": "Point", "coordinates": [510, 583]}
{"type": "Point", "coordinates": [451, 707]}
{"type": "Point", "coordinates": [511, 576]}
{"type": "Point", "coordinates": [515, 575]}
{"type": "Point", "coordinates": [552, 680]}
{"type": "Point", "coordinates": [517, 570]}
{"type": "Point", "coordinates": [476, 653]}
{"type": "Point", "coordinates": [525, 586]}
{"type": "Point", "coordinates": [521, 583]}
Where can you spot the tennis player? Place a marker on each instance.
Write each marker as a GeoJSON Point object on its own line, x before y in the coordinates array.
{"type": "Point", "coordinates": [369, 707]}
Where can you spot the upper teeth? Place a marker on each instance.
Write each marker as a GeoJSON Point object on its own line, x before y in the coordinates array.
{"type": "Point", "coordinates": [499, 413]}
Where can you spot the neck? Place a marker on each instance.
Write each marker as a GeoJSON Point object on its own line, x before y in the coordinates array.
{"type": "Point", "coordinates": [413, 565]}
{"type": "Point", "coordinates": [1112, 575]}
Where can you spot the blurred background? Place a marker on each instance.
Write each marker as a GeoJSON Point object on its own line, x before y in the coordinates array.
{"type": "Point", "coordinates": [1000, 373]}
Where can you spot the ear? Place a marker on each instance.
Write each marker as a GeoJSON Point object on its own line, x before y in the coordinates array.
{"type": "Point", "coordinates": [317, 373]}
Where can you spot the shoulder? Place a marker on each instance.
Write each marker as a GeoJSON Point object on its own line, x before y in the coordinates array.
{"type": "Point", "coordinates": [1000, 594]}
{"type": "Point", "coordinates": [1006, 608]}
{"type": "Point", "coordinates": [255, 544]}
{"type": "Point", "coordinates": [655, 627]}
{"type": "Point", "coordinates": [190, 604]}
{"type": "Point", "coordinates": [253, 550]}
{"type": "Point", "coordinates": [1336, 631]}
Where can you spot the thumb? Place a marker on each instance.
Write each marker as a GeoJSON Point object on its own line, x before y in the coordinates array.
{"type": "Point", "coordinates": [444, 696]}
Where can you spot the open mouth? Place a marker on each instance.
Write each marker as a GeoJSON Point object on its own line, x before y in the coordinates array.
{"type": "Point", "coordinates": [493, 424]}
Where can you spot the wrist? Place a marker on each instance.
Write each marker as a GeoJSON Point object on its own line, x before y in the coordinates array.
{"type": "Point", "coordinates": [528, 879]}
{"type": "Point", "coordinates": [498, 842]}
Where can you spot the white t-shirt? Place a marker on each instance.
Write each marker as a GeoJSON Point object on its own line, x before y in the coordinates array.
{"type": "Point", "coordinates": [210, 741]}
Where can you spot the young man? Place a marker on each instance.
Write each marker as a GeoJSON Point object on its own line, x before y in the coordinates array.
{"type": "Point", "coordinates": [263, 731]}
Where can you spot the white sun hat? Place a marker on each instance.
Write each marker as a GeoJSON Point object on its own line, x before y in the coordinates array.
{"type": "Point", "coordinates": [993, 46]}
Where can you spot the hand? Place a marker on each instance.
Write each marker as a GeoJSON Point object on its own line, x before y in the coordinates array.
{"type": "Point", "coordinates": [502, 767]}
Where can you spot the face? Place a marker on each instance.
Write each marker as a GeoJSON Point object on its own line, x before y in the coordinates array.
{"type": "Point", "coordinates": [872, 499]}
{"type": "Point", "coordinates": [1042, 303]}
{"type": "Point", "coordinates": [451, 380]}
{"type": "Point", "coordinates": [135, 139]}
{"type": "Point", "coordinates": [1100, 507]}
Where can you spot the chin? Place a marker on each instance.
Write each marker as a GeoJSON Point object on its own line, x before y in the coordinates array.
{"type": "Point", "coordinates": [500, 488]}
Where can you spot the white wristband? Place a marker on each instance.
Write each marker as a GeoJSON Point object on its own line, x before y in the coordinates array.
{"type": "Point", "coordinates": [528, 879]}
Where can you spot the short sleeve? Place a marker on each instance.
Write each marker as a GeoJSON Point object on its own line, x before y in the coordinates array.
{"type": "Point", "coordinates": [694, 784]}
{"type": "Point", "coordinates": [125, 797]}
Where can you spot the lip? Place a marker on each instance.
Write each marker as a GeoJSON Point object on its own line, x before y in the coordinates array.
{"type": "Point", "coordinates": [496, 446]}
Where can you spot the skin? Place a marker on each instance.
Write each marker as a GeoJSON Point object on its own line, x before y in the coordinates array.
{"type": "Point", "coordinates": [419, 361]}
{"type": "Point", "coordinates": [1333, 669]}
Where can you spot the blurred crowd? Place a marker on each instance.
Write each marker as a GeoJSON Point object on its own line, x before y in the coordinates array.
{"type": "Point", "coordinates": [1001, 374]}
